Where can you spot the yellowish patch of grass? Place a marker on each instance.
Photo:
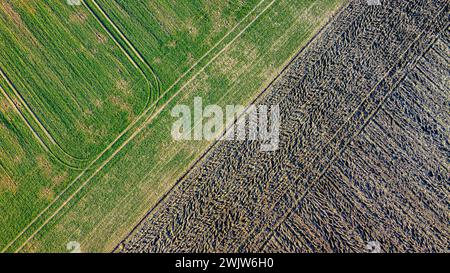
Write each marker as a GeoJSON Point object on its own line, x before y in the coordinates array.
{"type": "Point", "coordinates": [44, 166]}
{"type": "Point", "coordinates": [6, 183]}
{"type": "Point", "coordinates": [46, 194]}
{"type": "Point", "coordinates": [78, 18]}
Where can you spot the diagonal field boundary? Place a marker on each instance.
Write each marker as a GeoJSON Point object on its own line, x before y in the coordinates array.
{"type": "Point", "coordinates": [346, 121]}
{"type": "Point", "coordinates": [146, 118]}
{"type": "Point", "coordinates": [213, 145]}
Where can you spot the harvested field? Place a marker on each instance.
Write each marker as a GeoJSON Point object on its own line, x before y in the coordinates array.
{"type": "Point", "coordinates": [364, 150]}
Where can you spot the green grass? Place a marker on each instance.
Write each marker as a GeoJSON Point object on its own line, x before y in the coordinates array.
{"type": "Point", "coordinates": [110, 197]}
{"type": "Point", "coordinates": [173, 35]}
{"type": "Point", "coordinates": [75, 80]}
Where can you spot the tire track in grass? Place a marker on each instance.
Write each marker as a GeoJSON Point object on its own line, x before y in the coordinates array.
{"type": "Point", "coordinates": [17, 101]}
{"type": "Point", "coordinates": [134, 51]}
{"type": "Point", "coordinates": [36, 135]}
{"type": "Point", "coordinates": [79, 163]}
{"type": "Point", "coordinates": [147, 117]}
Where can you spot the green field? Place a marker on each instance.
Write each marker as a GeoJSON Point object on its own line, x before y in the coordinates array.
{"type": "Point", "coordinates": [174, 35]}
{"type": "Point", "coordinates": [74, 169]}
{"type": "Point", "coordinates": [76, 87]}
